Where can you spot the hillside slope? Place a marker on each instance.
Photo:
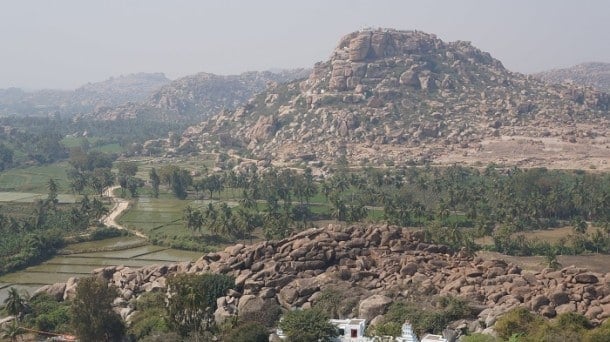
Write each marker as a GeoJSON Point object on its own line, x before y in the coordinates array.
{"type": "Point", "coordinates": [406, 96]}
{"type": "Point", "coordinates": [593, 74]}
{"type": "Point", "coordinates": [195, 97]}
{"type": "Point", "coordinates": [111, 92]}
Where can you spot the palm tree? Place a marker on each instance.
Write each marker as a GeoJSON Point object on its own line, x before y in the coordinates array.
{"type": "Point", "coordinates": [246, 222]}
{"type": "Point", "coordinates": [550, 259]}
{"type": "Point", "coordinates": [247, 200]}
{"type": "Point", "coordinates": [193, 218]}
{"type": "Point", "coordinates": [14, 303]}
{"type": "Point", "coordinates": [12, 331]}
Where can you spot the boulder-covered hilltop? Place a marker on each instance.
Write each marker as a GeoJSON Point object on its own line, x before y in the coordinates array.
{"type": "Point", "coordinates": [594, 74]}
{"type": "Point", "coordinates": [372, 266]}
{"type": "Point", "coordinates": [402, 95]}
{"type": "Point", "coordinates": [195, 97]}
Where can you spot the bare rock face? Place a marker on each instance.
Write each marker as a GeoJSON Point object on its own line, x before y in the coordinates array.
{"type": "Point", "coordinates": [359, 47]}
{"type": "Point", "coordinates": [264, 128]}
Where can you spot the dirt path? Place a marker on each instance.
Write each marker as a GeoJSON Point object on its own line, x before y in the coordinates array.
{"type": "Point", "coordinates": [118, 207]}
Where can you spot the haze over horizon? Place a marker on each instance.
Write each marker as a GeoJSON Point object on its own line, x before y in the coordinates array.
{"type": "Point", "coordinates": [68, 43]}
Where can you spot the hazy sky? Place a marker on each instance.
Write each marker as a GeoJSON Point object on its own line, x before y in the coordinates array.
{"type": "Point", "coordinates": [63, 44]}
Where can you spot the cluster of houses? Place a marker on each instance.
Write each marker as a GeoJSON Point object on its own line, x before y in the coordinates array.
{"type": "Point", "coordinates": [353, 329]}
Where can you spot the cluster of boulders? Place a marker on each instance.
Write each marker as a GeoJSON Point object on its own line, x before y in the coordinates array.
{"type": "Point", "coordinates": [383, 89]}
{"type": "Point", "coordinates": [376, 265]}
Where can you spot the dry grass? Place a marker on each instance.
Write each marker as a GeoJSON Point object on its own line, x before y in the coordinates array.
{"type": "Point", "coordinates": [594, 262]}
{"type": "Point", "coordinates": [549, 235]}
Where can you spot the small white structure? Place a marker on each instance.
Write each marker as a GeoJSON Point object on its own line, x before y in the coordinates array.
{"type": "Point", "coordinates": [407, 334]}
{"type": "Point", "coordinates": [350, 330]}
{"type": "Point", "coordinates": [433, 338]}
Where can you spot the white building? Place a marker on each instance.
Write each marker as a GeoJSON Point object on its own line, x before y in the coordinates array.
{"type": "Point", "coordinates": [350, 330]}
{"type": "Point", "coordinates": [353, 330]}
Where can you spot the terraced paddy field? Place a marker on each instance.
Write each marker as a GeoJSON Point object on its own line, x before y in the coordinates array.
{"type": "Point", "coordinates": [29, 197]}
{"type": "Point", "coordinates": [82, 258]}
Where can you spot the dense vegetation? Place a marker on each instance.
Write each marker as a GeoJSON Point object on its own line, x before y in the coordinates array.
{"type": "Point", "coordinates": [454, 205]}
{"type": "Point", "coordinates": [27, 140]}
{"type": "Point", "coordinates": [520, 325]}
{"type": "Point", "coordinates": [30, 233]}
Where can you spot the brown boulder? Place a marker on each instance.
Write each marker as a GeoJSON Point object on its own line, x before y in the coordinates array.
{"type": "Point", "coordinates": [409, 269]}
{"type": "Point", "coordinates": [565, 308]}
{"type": "Point", "coordinates": [538, 302]}
{"type": "Point", "coordinates": [359, 47]}
{"type": "Point", "coordinates": [586, 278]}
{"type": "Point", "coordinates": [373, 306]}
{"type": "Point", "coordinates": [559, 298]}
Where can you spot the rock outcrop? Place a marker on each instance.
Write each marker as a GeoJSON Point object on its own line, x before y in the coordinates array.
{"type": "Point", "coordinates": [404, 96]}
{"type": "Point", "coordinates": [375, 265]}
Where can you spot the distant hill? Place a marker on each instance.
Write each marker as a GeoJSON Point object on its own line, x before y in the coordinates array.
{"type": "Point", "coordinates": [406, 96]}
{"type": "Point", "coordinates": [591, 74]}
{"type": "Point", "coordinates": [195, 97]}
{"type": "Point", "coordinates": [112, 92]}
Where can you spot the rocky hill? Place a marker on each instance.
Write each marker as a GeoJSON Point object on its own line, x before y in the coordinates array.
{"type": "Point", "coordinates": [372, 266]}
{"type": "Point", "coordinates": [407, 96]}
{"type": "Point", "coordinates": [596, 75]}
{"type": "Point", "coordinates": [112, 92]}
{"type": "Point", "coordinates": [119, 90]}
{"type": "Point", "coordinates": [193, 98]}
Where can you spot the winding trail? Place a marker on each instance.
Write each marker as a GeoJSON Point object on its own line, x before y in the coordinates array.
{"type": "Point", "coordinates": [118, 207]}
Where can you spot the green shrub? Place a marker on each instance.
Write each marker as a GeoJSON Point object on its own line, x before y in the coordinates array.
{"type": "Point", "coordinates": [517, 321]}
{"type": "Point", "coordinates": [552, 332]}
{"type": "Point", "coordinates": [335, 303]}
{"type": "Point", "coordinates": [573, 321]}
{"type": "Point", "coordinates": [385, 329]}
{"type": "Point", "coordinates": [248, 332]}
{"type": "Point", "coordinates": [478, 337]}
{"type": "Point", "coordinates": [428, 319]}
{"type": "Point", "coordinates": [147, 322]}
{"type": "Point", "coordinates": [308, 325]}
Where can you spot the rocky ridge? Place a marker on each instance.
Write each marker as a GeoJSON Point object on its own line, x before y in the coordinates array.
{"type": "Point", "coordinates": [111, 92]}
{"type": "Point", "coordinates": [376, 265]}
{"type": "Point", "coordinates": [594, 74]}
{"type": "Point", "coordinates": [197, 96]}
{"type": "Point", "coordinates": [403, 96]}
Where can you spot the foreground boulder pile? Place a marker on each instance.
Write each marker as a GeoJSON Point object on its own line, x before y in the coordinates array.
{"type": "Point", "coordinates": [378, 265]}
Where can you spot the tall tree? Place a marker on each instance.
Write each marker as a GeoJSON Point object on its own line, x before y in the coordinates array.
{"type": "Point", "coordinates": [154, 181]}
{"type": "Point", "coordinates": [192, 300]}
{"type": "Point", "coordinates": [92, 316]}
{"type": "Point", "coordinates": [193, 218]}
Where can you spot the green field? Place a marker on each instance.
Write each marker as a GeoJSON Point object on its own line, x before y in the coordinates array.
{"type": "Point", "coordinates": [34, 179]}
{"type": "Point", "coordinates": [95, 144]}
{"type": "Point", "coordinates": [28, 197]}
{"type": "Point", "coordinates": [158, 216]}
